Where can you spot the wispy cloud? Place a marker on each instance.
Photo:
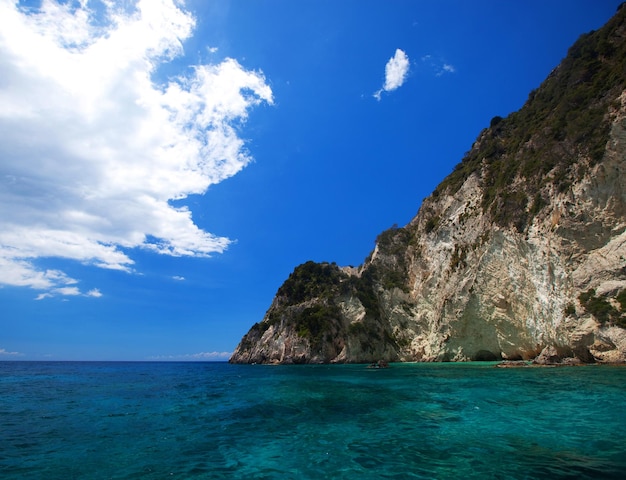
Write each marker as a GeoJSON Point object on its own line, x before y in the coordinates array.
{"type": "Point", "coordinates": [4, 353]}
{"type": "Point", "coordinates": [438, 66]}
{"type": "Point", "coordinates": [93, 147]}
{"type": "Point", "coordinates": [396, 71]}
{"type": "Point", "coordinates": [191, 357]}
{"type": "Point", "coordinates": [447, 68]}
{"type": "Point", "coordinates": [69, 291]}
{"type": "Point", "coordinates": [178, 278]}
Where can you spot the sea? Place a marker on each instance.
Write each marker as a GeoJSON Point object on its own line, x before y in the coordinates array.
{"type": "Point", "coordinates": [117, 420]}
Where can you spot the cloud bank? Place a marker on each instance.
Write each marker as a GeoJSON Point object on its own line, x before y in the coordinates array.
{"type": "Point", "coordinates": [396, 71]}
{"type": "Point", "coordinates": [93, 149]}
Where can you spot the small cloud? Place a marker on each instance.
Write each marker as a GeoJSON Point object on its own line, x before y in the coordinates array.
{"type": "Point", "coordinates": [94, 292]}
{"type": "Point", "coordinates": [212, 49]}
{"type": "Point", "coordinates": [67, 291]}
{"type": "Point", "coordinates": [193, 357]}
{"type": "Point", "coordinates": [396, 71]}
{"type": "Point", "coordinates": [4, 353]}
{"type": "Point", "coordinates": [178, 278]}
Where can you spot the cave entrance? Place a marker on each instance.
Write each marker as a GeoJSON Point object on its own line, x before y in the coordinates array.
{"type": "Point", "coordinates": [486, 356]}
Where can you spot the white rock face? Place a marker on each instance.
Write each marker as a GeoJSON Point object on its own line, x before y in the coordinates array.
{"type": "Point", "coordinates": [508, 297]}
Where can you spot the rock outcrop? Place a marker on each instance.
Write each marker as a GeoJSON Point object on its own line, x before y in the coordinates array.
{"type": "Point", "coordinates": [520, 250]}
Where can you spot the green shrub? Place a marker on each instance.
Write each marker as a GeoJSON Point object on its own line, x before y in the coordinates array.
{"type": "Point", "coordinates": [599, 307]}
{"type": "Point", "coordinates": [495, 121]}
{"type": "Point", "coordinates": [316, 322]}
{"type": "Point", "coordinates": [312, 280]}
{"type": "Point", "coordinates": [363, 288]}
{"type": "Point", "coordinates": [432, 223]}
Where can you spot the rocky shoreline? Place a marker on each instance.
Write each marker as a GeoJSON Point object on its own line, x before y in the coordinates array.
{"type": "Point", "coordinates": [549, 357]}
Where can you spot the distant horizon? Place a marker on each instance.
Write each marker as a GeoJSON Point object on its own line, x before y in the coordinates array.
{"type": "Point", "coordinates": [165, 166]}
{"type": "Point", "coordinates": [4, 360]}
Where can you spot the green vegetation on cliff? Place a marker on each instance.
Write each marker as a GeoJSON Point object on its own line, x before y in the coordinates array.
{"type": "Point", "coordinates": [565, 119]}
{"type": "Point", "coordinates": [312, 280]}
{"type": "Point", "coordinates": [309, 299]}
{"type": "Point", "coordinates": [602, 308]}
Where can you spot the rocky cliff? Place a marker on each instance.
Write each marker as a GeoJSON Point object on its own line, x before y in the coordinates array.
{"type": "Point", "coordinates": [521, 249]}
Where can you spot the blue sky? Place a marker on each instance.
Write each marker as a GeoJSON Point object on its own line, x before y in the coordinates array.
{"type": "Point", "coordinates": [165, 166]}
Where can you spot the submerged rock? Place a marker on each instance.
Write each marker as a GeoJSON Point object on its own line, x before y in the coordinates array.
{"type": "Point", "coordinates": [378, 364]}
{"type": "Point", "coordinates": [512, 364]}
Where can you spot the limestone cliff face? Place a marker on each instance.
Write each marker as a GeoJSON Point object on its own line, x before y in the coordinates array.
{"type": "Point", "coordinates": [522, 247]}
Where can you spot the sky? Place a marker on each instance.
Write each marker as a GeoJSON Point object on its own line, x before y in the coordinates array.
{"type": "Point", "coordinates": [165, 165]}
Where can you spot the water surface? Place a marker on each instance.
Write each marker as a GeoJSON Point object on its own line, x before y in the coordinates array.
{"type": "Point", "coordinates": [215, 420]}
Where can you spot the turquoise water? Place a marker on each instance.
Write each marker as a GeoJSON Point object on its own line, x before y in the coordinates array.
{"type": "Point", "coordinates": [215, 420]}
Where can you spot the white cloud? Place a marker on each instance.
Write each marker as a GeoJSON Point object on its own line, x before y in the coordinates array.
{"type": "Point", "coordinates": [93, 148]}
{"type": "Point", "coordinates": [396, 71]}
{"type": "Point", "coordinates": [74, 291]}
{"type": "Point", "coordinates": [3, 352]}
{"type": "Point", "coordinates": [178, 278]}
